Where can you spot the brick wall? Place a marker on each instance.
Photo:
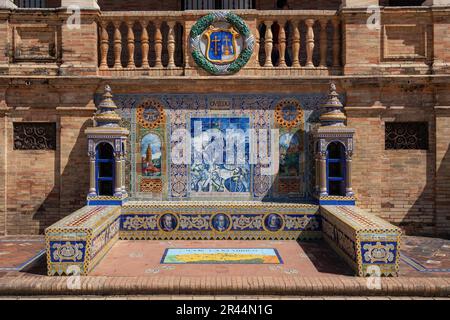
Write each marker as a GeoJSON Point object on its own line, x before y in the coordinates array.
{"type": "Point", "coordinates": [43, 186]}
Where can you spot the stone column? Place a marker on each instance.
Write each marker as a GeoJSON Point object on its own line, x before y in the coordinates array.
{"type": "Point", "coordinates": [348, 175]}
{"type": "Point", "coordinates": [323, 174]}
{"type": "Point", "coordinates": [124, 189]}
{"type": "Point", "coordinates": [83, 4]}
{"type": "Point", "coordinates": [7, 4]}
{"type": "Point", "coordinates": [118, 175]}
{"type": "Point", "coordinates": [92, 186]}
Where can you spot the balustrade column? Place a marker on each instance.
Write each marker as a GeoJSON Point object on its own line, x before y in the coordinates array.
{"type": "Point", "coordinates": [158, 44]}
{"type": "Point", "coordinates": [268, 43]}
{"type": "Point", "coordinates": [130, 42]}
{"type": "Point", "coordinates": [257, 45]}
{"type": "Point", "coordinates": [295, 44]}
{"type": "Point", "coordinates": [104, 45]}
{"type": "Point", "coordinates": [145, 44]}
{"type": "Point", "coordinates": [336, 46]}
{"type": "Point", "coordinates": [171, 44]}
{"type": "Point", "coordinates": [282, 44]}
{"type": "Point", "coordinates": [323, 42]}
{"type": "Point", "coordinates": [117, 44]}
{"type": "Point", "coordinates": [309, 42]}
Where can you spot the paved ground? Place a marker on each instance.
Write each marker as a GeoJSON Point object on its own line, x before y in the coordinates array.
{"type": "Point", "coordinates": [143, 259]}
{"type": "Point", "coordinates": [309, 269]}
{"type": "Point", "coordinates": [17, 253]}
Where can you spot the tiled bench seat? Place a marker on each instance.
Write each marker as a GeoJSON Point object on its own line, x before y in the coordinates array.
{"type": "Point", "coordinates": [78, 242]}
{"type": "Point", "coordinates": [368, 244]}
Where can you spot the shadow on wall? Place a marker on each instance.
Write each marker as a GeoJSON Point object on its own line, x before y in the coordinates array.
{"type": "Point", "coordinates": [429, 203]}
{"type": "Point", "coordinates": [71, 184]}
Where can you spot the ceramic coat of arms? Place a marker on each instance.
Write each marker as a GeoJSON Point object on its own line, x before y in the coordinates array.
{"type": "Point", "coordinates": [221, 43]}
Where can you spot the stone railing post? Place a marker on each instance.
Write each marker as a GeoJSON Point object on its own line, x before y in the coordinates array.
{"type": "Point", "coordinates": [295, 44]}
{"type": "Point", "coordinates": [158, 44]}
{"type": "Point", "coordinates": [130, 44]}
{"type": "Point", "coordinates": [282, 43]}
{"type": "Point", "coordinates": [268, 43]}
{"type": "Point", "coordinates": [309, 42]}
{"type": "Point", "coordinates": [145, 44]}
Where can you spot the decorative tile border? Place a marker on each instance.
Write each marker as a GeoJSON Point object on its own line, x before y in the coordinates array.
{"type": "Point", "coordinates": [219, 220]}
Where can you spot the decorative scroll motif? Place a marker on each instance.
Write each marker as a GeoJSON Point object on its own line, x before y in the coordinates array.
{"type": "Point", "coordinates": [34, 136]}
{"type": "Point", "coordinates": [244, 222]}
{"type": "Point", "coordinates": [378, 252]}
{"type": "Point", "coordinates": [139, 222]}
{"type": "Point", "coordinates": [194, 222]}
{"type": "Point", "coordinates": [289, 113]}
{"type": "Point", "coordinates": [69, 251]}
{"type": "Point", "coordinates": [406, 135]}
{"type": "Point", "coordinates": [150, 114]}
{"type": "Point", "coordinates": [223, 53]}
{"type": "Point", "coordinates": [301, 222]}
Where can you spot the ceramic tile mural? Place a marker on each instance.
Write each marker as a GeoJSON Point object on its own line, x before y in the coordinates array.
{"type": "Point", "coordinates": [153, 118]}
{"type": "Point", "coordinates": [220, 172]}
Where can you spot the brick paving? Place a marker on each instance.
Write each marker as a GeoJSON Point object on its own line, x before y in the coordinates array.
{"type": "Point", "coordinates": [242, 297]}
{"type": "Point", "coordinates": [319, 274]}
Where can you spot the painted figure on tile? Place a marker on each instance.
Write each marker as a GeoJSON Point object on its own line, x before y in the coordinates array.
{"type": "Point", "coordinates": [168, 222]}
{"type": "Point", "coordinates": [290, 149]}
{"type": "Point", "coordinates": [218, 167]}
{"type": "Point", "coordinates": [221, 222]}
{"type": "Point", "coordinates": [273, 222]}
{"type": "Point", "coordinates": [151, 155]}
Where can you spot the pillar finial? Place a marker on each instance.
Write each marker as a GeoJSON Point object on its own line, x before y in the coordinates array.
{"type": "Point", "coordinates": [333, 106]}
{"type": "Point", "coordinates": [106, 111]}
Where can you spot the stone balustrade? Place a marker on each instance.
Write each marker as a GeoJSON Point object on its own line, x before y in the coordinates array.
{"type": "Point", "coordinates": [294, 42]}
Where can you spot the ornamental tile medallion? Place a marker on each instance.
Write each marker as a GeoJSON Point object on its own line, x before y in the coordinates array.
{"type": "Point", "coordinates": [221, 43]}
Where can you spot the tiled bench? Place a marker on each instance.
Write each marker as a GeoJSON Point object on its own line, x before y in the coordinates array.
{"type": "Point", "coordinates": [78, 242]}
{"type": "Point", "coordinates": [367, 243]}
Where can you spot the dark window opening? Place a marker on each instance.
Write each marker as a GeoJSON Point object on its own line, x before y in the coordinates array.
{"type": "Point", "coordinates": [218, 4]}
{"type": "Point", "coordinates": [406, 135]}
{"type": "Point", "coordinates": [336, 169]}
{"type": "Point", "coordinates": [402, 3]}
{"type": "Point", "coordinates": [31, 3]}
{"type": "Point", "coordinates": [105, 169]}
